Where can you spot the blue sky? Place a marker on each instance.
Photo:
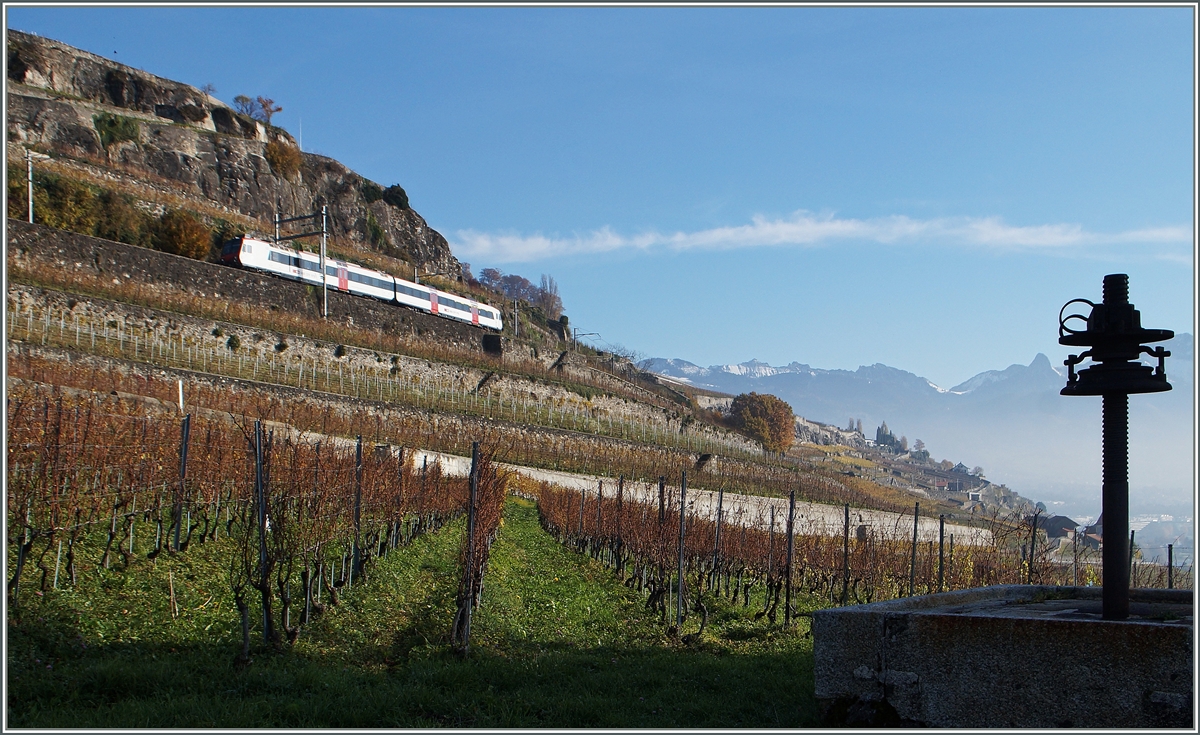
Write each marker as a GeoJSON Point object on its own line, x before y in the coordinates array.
{"type": "Point", "coordinates": [922, 187]}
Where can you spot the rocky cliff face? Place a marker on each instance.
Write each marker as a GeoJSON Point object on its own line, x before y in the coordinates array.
{"type": "Point", "coordinates": [178, 137]}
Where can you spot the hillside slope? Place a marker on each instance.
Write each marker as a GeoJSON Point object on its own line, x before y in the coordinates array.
{"type": "Point", "coordinates": [189, 148]}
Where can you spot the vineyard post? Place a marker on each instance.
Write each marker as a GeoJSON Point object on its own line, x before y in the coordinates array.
{"type": "Point", "coordinates": [599, 502]}
{"type": "Point", "coordinates": [717, 540]}
{"type": "Point", "coordinates": [951, 554]}
{"type": "Point", "coordinates": [1075, 560]}
{"type": "Point", "coordinates": [185, 431]}
{"type": "Point", "coordinates": [22, 550]}
{"type": "Point", "coordinates": [912, 567]}
{"type": "Point", "coordinates": [358, 471]}
{"type": "Point", "coordinates": [941, 551]}
{"type": "Point", "coordinates": [846, 556]}
{"type": "Point", "coordinates": [262, 516]}
{"type": "Point", "coordinates": [682, 517]}
{"type": "Point", "coordinates": [1033, 542]}
{"type": "Point", "coordinates": [1170, 565]}
{"type": "Point", "coordinates": [771, 543]}
{"type": "Point", "coordinates": [662, 499]}
{"type": "Point", "coordinates": [620, 544]}
{"type": "Point", "coordinates": [399, 524]}
{"type": "Point", "coordinates": [791, 521]}
{"type": "Point", "coordinates": [468, 602]}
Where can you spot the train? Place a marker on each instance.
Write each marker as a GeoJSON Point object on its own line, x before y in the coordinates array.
{"type": "Point", "coordinates": [297, 265]}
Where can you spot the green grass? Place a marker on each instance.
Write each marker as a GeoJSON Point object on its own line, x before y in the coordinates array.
{"type": "Point", "coordinates": [558, 642]}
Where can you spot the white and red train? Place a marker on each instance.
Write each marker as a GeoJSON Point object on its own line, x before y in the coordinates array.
{"type": "Point", "coordinates": [298, 265]}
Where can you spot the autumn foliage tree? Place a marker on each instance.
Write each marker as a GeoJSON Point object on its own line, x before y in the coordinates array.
{"type": "Point", "coordinates": [765, 418]}
{"type": "Point", "coordinates": [180, 233]}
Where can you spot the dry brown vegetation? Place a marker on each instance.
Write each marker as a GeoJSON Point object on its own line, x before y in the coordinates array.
{"type": "Point", "coordinates": [303, 511]}
{"type": "Point", "coordinates": [283, 158]}
{"type": "Point", "coordinates": [641, 543]}
{"type": "Point", "coordinates": [561, 450]}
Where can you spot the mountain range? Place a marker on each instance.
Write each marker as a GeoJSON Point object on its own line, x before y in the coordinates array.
{"type": "Point", "coordinates": [1012, 422]}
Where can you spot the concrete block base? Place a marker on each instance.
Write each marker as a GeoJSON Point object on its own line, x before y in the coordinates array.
{"type": "Point", "coordinates": [1010, 656]}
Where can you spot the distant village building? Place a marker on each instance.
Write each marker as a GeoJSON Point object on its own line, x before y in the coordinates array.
{"type": "Point", "coordinates": [1056, 526]}
{"type": "Point", "coordinates": [1093, 535]}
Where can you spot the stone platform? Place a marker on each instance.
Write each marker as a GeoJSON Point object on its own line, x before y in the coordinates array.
{"type": "Point", "coordinates": [1010, 656]}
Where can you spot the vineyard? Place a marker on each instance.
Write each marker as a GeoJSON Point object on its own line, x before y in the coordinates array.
{"type": "Point", "coordinates": [310, 511]}
{"type": "Point", "coordinates": [402, 426]}
{"type": "Point", "coordinates": [667, 552]}
{"type": "Point", "coordinates": [305, 531]}
{"type": "Point", "coordinates": [306, 517]}
{"type": "Point", "coordinates": [82, 460]}
{"type": "Point", "coordinates": [585, 379]}
{"type": "Point", "coordinates": [381, 376]}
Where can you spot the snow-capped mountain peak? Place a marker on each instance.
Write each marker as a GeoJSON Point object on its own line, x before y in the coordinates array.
{"type": "Point", "coordinates": [751, 369]}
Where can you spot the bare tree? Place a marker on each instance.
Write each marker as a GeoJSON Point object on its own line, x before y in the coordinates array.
{"type": "Point", "coordinates": [267, 108]}
{"type": "Point", "coordinates": [628, 353]}
{"type": "Point", "coordinates": [548, 298]}
{"type": "Point", "coordinates": [245, 105]}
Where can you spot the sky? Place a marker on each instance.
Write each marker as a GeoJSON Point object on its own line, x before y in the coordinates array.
{"type": "Point", "coordinates": [919, 187]}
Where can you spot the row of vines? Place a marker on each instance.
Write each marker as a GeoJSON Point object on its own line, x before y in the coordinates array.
{"type": "Point", "coordinates": [166, 344]}
{"type": "Point", "coordinates": [454, 433]}
{"type": "Point", "coordinates": [413, 344]}
{"type": "Point", "coordinates": [675, 558]}
{"type": "Point", "coordinates": [305, 515]}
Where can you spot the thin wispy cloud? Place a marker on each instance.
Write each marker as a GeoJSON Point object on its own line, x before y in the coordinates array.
{"type": "Point", "coordinates": [804, 229]}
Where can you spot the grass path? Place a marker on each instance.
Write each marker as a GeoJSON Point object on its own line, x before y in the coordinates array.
{"type": "Point", "coordinates": [558, 642]}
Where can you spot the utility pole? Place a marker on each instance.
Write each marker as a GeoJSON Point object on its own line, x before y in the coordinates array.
{"type": "Point", "coordinates": [324, 288]}
{"type": "Point", "coordinates": [323, 232]}
{"type": "Point", "coordinates": [29, 169]}
{"type": "Point", "coordinates": [577, 334]}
